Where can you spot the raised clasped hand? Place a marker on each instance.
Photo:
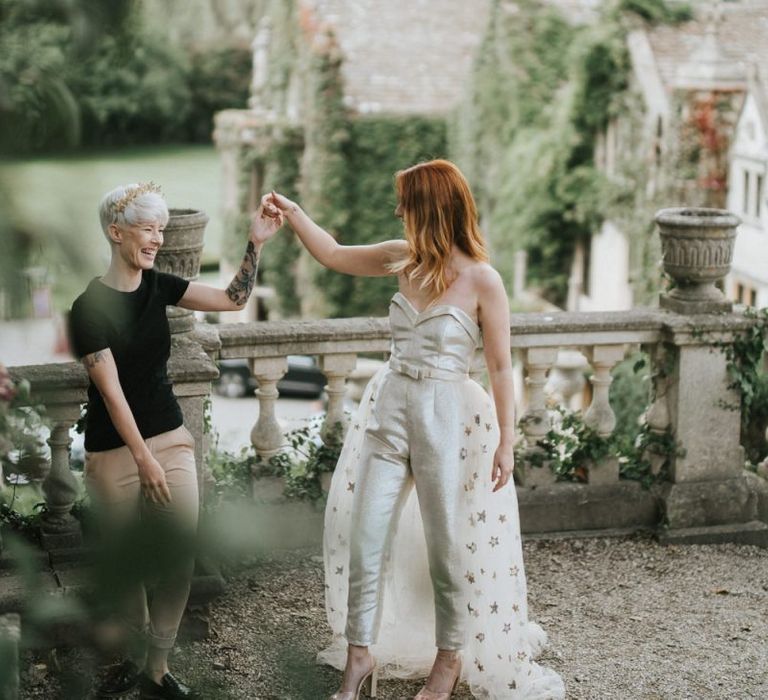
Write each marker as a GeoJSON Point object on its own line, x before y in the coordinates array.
{"type": "Point", "coordinates": [265, 222]}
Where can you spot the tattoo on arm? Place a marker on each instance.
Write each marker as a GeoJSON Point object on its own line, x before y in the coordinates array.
{"type": "Point", "coordinates": [94, 358]}
{"type": "Point", "coordinates": [241, 286]}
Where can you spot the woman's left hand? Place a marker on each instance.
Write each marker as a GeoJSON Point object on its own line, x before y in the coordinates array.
{"type": "Point", "coordinates": [503, 466]}
{"type": "Point", "coordinates": [264, 223]}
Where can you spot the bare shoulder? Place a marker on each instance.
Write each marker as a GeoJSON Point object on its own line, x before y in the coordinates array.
{"type": "Point", "coordinates": [486, 279]}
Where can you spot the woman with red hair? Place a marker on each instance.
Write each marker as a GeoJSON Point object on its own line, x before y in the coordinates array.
{"type": "Point", "coordinates": [423, 422]}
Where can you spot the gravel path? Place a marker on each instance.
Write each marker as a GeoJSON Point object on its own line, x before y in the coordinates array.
{"type": "Point", "coordinates": [627, 618]}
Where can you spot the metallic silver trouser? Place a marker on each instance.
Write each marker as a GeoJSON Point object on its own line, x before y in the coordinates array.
{"type": "Point", "coordinates": [413, 438]}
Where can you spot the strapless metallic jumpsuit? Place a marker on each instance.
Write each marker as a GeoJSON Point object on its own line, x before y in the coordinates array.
{"type": "Point", "coordinates": [413, 438]}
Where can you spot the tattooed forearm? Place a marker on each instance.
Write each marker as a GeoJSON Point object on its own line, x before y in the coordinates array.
{"type": "Point", "coordinates": [241, 286]}
{"type": "Point", "coordinates": [94, 358]}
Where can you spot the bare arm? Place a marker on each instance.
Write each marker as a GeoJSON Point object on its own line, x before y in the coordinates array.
{"type": "Point", "coordinates": [362, 260]}
{"type": "Point", "coordinates": [201, 297]}
{"type": "Point", "coordinates": [493, 313]}
{"type": "Point", "coordinates": [102, 370]}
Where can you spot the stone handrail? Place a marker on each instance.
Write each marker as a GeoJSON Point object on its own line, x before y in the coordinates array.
{"type": "Point", "coordinates": [62, 389]}
{"type": "Point", "coordinates": [702, 416]}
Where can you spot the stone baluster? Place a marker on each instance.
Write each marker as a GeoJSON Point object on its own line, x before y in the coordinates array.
{"type": "Point", "coordinates": [535, 421]}
{"type": "Point", "coordinates": [267, 434]}
{"type": "Point", "coordinates": [336, 368]}
{"type": "Point", "coordinates": [60, 529]}
{"type": "Point", "coordinates": [657, 415]}
{"type": "Point", "coordinates": [600, 416]}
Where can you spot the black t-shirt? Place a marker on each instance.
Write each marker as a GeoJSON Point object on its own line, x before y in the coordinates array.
{"type": "Point", "coordinates": [134, 327]}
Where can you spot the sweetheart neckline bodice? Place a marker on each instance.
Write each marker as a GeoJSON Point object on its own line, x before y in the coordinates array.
{"type": "Point", "coordinates": [457, 312]}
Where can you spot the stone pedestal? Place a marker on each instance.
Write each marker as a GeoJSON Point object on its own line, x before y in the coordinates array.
{"type": "Point", "coordinates": [709, 488]}
{"type": "Point", "coordinates": [191, 371]}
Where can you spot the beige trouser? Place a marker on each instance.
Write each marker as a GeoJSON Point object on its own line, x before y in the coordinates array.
{"type": "Point", "coordinates": [143, 540]}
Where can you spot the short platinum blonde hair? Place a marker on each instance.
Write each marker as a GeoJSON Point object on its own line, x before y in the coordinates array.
{"type": "Point", "coordinates": [128, 205]}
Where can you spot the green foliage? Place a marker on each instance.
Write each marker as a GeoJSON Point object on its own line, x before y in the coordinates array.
{"type": "Point", "coordinates": [301, 466]}
{"type": "Point", "coordinates": [377, 148]}
{"type": "Point", "coordinates": [629, 394]}
{"type": "Point", "coordinates": [749, 378]}
{"type": "Point", "coordinates": [231, 474]}
{"type": "Point", "coordinates": [218, 78]}
{"type": "Point", "coordinates": [132, 89]}
{"type": "Point", "coordinates": [657, 11]}
{"type": "Point", "coordinates": [87, 72]}
{"type": "Point", "coordinates": [570, 446]}
{"type": "Point", "coordinates": [525, 134]}
{"type": "Point", "coordinates": [282, 173]}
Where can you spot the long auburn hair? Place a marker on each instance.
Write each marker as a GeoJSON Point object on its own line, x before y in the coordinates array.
{"type": "Point", "coordinates": [439, 212]}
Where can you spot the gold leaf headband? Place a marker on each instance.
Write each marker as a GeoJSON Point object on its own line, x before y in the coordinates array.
{"type": "Point", "coordinates": [136, 192]}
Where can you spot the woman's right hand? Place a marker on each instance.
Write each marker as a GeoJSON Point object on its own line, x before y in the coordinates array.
{"type": "Point", "coordinates": [153, 483]}
{"type": "Point", "coordinates": [277, 200]}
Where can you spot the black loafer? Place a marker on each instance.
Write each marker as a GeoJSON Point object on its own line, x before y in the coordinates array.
{"type": "Point", "coordinates": [118, 680]}
{"type": "Point", "coordinates": [170, 689]}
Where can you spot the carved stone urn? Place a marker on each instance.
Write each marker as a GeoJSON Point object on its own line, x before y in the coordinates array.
{"type": "Point", "coordinates": [180, 255]}
{"type": "Point", "coordinates": [697, 251]}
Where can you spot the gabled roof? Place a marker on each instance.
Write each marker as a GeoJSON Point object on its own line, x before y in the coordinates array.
{"type": "Point", "coordinates": [741, 32]}
{"type": "Point", "coordinates": [404, 56]}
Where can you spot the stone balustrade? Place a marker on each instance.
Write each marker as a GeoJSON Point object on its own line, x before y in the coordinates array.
{"type": "Point", "coordinates": [706, 491]}
{"type": "Point", "coordinates": [62, 390]}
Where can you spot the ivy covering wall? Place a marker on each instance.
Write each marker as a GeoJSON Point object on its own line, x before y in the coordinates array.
{"type": "Point", "coordinates": [542, 90]}
{"type": "Point", "coordinates": [339, 166]}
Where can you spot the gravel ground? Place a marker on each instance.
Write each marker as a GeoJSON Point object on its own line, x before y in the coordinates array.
{"type": "Point", "coordinates": [627, 618]}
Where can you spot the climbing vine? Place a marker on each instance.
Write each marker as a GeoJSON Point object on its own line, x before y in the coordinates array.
{"type": "Point", "coordinates": [748, 377]}
{"type": "Point", "coordinates": [526, 134]}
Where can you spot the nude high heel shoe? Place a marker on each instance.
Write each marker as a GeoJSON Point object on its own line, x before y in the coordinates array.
{"type": "Point", "coordinates": [368, 685]}
{"type": "Point", "coordinates": [426, 694]}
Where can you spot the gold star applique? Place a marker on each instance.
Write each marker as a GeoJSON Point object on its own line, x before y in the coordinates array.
{"type": "Point", "coordinates": [502, 518]}
{"type": "Point", "coordinates": [351, 486]}
{"type": "Point", "coordinates": [480, 637]}
{"type": "Point", "coordinates": [463, 453]}
{"type": "Point", "coordinates": [516, 607]}
{"type": "Point", "coordinates": [477, 419]}
{"type": "Point", "coordinates": [521, 655]}
{"type": "Point", "coordinates": [513, 570]}
{"type": "Point", "coordinates": [475, 476]}
{"type": "Point", "coordinates": [494, 608]}
{"type": "Point", "coordinates": [467, 431]}
{"type": "Point", "coordinates": [481, 516]}
{"type": "Point", "coordinates": [479, 665]}
{"type": "Point", "coordinates": [507, 628]}
{"type": "Point", "coordinates": [488, 427]}
{"type": "Point", "coordinates": [470, 577]}
{"type": "Point", "coordinates": [357, 426]}
{"type": "Point", "coordinates": [339, 570]}
{"type": "Point", "coordinates": [512, 685]}
{"type": "Point", "coordinates": [485, 449]}
{"type": "Point", "coordinates": [494, 542]}
{"type": "Point", "coordinates": [472, 547]}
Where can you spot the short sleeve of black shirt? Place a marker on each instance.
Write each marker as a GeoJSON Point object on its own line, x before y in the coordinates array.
{"type": "Point", "coordinates": [171, 288]}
